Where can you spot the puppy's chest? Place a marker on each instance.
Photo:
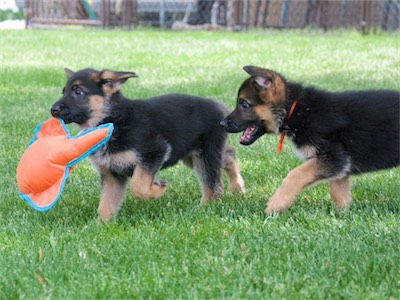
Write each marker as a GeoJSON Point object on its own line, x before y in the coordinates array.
{"type": "Point", "coordinates": [120, 162]}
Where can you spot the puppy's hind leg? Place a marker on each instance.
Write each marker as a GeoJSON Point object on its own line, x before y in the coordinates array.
{"type": "Point", "coordinates": [231, 167]}
{"type": "Point", "coordinates": [211, 187]}
{"type": "Point", "coordinates": [340, 191]}
{"type": "Point", "coordinates": [112, 194]}
{"type": "Point", "coordinates": [209, 166]}
{"type": "Point", "coordinates": [143, 185]}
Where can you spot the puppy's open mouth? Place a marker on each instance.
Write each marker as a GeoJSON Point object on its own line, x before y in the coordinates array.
{"type": "Point", "coordinates": [251, 134]}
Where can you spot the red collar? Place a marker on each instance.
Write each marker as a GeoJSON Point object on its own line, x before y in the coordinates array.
{"type": "Point", "coordinates": [280, 143]}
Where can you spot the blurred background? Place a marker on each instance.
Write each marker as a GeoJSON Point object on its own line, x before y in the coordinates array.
{"type": "Point", "coordinates": [239, 15]}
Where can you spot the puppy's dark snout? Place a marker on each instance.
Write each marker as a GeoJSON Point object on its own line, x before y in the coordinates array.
{"type": "Point", "coordinates": [224, 123]}
{"type": "Point", "coordinates": [55, 111]}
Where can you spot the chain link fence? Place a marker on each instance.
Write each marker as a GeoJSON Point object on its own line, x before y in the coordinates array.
{"type": "Point", "coordinates": [219, 14]}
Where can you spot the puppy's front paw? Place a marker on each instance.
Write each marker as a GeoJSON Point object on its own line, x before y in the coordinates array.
{"type": "Point", "coordinates": [162, 183]}
{"type": "Point", "coordinates": [271, 210]}
{"type": "Point", "coordinates": [155, 191]}
{"type": "Point", "coordinates": [278, 203]}
{"type": "Point", "coordinates": [158, 189]}
{"type": "Point", "coordinates": [238, 186]}
{"type": "Point", "coordinates": [105, 213]}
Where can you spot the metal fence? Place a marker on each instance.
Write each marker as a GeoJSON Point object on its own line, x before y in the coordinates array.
{"type": "Point", "coordinates": [212, 14]}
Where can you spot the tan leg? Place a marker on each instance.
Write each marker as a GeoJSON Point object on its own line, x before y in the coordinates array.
{"type": "Point", "coordinates": [297, 179]}
{"type": "Point", "coordinates": [340, 191]}
{"type": "Point", "coordinates": [143, 185]}
{"type": "Point", "coordinates": [194, 162]}
{"type": "Point", "coordinates": [231, 167]}
{"type": "Point", "coordinates": [111, 197]}
{"type": "Point", "coordinates": [207, 194]}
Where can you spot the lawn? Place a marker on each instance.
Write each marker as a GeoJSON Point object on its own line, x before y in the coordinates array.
{"type": "Point", "coordinates": [172, 247]}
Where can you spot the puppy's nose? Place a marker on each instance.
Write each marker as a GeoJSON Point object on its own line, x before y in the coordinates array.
{"type": "Point", "coordinates": [223, 123]}
{"type": "Point", "coordinates": [55, 111]}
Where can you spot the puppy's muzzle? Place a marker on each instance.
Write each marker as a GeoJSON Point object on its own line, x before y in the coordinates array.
{"type": "Point", "coordinates": [224, 123]}
{"type": "Point", "coordinates": [229, 125]}
{"type": "Point", "coordinates": [59, 110]}
{"type": "Point", "coordinates": [55, 110]}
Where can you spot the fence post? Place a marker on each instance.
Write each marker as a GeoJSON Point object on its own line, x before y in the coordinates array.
{"type": "Point", "coordinates": [342, 12]}
{"type": "Point", "coordinates": [284, 13]}
{"type": "Point", "coordinates": [366, 7]}
{"type": "Point", "coordinates": [162, 13]}
{"type": "Point", "coordinates": [321, 14]}
{"type": "Point", "coordinates": [127, 13]}
{"type": "Point", "coordinates": [27, 12]}
{"type": "Point", "coordinates": [105, 18]}
{"type": "Point", "coordinates": [390, 15]}
{"type": "Point", "coordinates": [245, 15]}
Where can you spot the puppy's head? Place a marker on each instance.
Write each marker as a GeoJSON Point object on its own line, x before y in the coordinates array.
{"type": "Point", "coordinates": [87, 96]}
{"type": "Point", "coordinates": [259, 106]}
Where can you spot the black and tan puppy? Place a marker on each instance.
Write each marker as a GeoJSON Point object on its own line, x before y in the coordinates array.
{"type": "Point", "coordinates": [338, 134]}
{"type": "Point", "coordinates": [148, 135]}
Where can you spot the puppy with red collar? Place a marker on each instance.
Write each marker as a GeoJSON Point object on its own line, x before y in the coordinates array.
{"type": "Point", "coordinates": [337, 134]}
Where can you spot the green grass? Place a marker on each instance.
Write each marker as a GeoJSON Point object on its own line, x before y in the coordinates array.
{"type": "Point", "coordinates": [172, 248]}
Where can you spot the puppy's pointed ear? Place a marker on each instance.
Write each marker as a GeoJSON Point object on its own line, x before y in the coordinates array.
{"type": "Point", "coordinates": [262, 82]}
{"type": "Point", "coordinates": [253, 70]}
{"type": "Point", "coordinates": [262, 77]}
{"type": "Point", "coordinates": [112, 80]}
{"type": "Point", "coordinates": [69, 73]}
{"type": "Point", "coordinates": [270, 85]}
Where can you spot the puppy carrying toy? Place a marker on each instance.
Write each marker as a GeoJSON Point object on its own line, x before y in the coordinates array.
{"type": "Point", "coordinates": [149, 135]}
{"type": "Point", "coordinates": [51, 156]}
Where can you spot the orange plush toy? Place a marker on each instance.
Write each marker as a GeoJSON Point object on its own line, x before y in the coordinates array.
{"type": "Point", "coordinates": [50, 157]}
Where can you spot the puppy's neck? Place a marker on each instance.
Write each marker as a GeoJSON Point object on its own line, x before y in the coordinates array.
{"type": "Point", "coordinates": [294, 95]}
{"type": "Point", "coordinates": [109, 113]}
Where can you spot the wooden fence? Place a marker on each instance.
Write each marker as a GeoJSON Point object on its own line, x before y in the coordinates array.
{"type": "Point", "coordinates": [232, 14]}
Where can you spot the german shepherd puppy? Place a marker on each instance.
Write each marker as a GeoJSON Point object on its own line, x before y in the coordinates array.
{"type": "Point", "coordinates": [148, 135]}
{"type": "Point", "coordinates": [338, 134]}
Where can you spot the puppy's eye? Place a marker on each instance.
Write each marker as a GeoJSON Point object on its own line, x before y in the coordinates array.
{"type": "Point", "coordinates": [244, 104]}
{"type": "Point", "coordinates": [77, 91]}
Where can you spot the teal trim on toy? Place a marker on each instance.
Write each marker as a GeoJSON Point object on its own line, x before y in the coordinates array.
{"type": "Point", "coordinates": [89, 10]}
{"type": "Point", "coordinates": [51, 156]}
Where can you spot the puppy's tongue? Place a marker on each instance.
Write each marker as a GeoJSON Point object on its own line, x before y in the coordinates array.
{"type": "Point", "coordinates": [247, 133]}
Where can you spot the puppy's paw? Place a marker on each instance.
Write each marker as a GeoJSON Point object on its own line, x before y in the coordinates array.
{"type": "Point", "coordinates": [270, 210]}
{"type": "Point", "coordinates": [277, 204]}
{"type": "Point", "coordinates": [162, 183]}
{"type": "Point", "coordinates": [204, 200]}
{"type": "Point", "coordinates": [104, 214]}
{"type": "Point", "coordinates": [238, 186]}
{"type": "Point", "coordinates": [158, 189]}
